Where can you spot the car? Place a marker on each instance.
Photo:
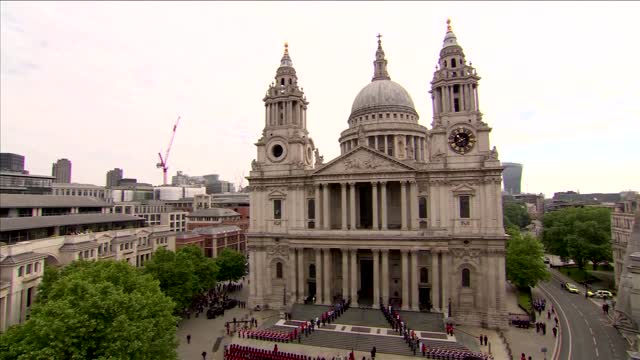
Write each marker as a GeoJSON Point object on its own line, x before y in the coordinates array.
{"type": "Point", "coordinates": [214, 311]}
{"type": "Point", "coordinates": [229, 303]}
{"type": "Point", "coordinates": [571, 288]}
{"type": "Point", "coordinates": [605, 294]}
{"type": "Point", "coordinates": [547, 260]}
{"type": "Point", "coordinates": [590, 293]}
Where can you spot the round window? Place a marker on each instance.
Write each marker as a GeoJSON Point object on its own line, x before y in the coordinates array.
{"type": "Point", "coordinates": [277, 150]}
{"type": "Point", "coordinates": [309, 154]}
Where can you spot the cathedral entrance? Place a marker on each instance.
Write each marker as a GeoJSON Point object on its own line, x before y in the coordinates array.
{"type": "Point", "coordinates": [366, 282]}
{"type": "Point", "coordinates": [424, 299]}
{"type": "Point", "coordinates": [311, 290]}
{"type": "Point", "coordinates": [366, 213]}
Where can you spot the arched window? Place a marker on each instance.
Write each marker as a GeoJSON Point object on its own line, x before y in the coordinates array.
{"type": "Point", "coordinates": [312, 271]}
{"type": "Point", "coordinates": [289, 81]}
{"type": "Point", "coordinates": [466, 277]}
{"type": "Point", "coordinates": [453, 62]}
{"type": "Point", "coordinates": [424, 275]}
{"type": "Point", "coordinates": [21, 271]}
{"type": "Point", "coordinates": [282, 81]}
{"type": "Point", "coordinates": [422, 208]}
{"type": "Point", "coordinates": [279, 270]}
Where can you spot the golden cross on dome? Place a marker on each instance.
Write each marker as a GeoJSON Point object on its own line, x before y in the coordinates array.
{"type": "Point", "coordinates": [448, 25]}
{"type": "Point", "coordinates": [379, 36]}
{"type": "Point", "coordinates": [286, 47]}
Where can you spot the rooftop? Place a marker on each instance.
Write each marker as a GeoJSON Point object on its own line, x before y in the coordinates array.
{"type": "Point", "coordinates": [44, 201]}
{"type": "Point", "coordinates": [213, 212]}
{"type": "Point", "coordinates": [23, 223]}
{"type": "Point", "coordinates": [210, 230]}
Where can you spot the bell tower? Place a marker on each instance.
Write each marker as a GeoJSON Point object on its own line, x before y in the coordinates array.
{"type": "Point", "coordinates": [457, 128]}
{"type": "Point", "coordinates": [285, 144]}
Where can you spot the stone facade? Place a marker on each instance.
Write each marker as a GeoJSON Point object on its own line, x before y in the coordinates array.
{"type": "Point", "coordinates": [405, 215]}
{"type": "Point", "coordinates": [22, 264]}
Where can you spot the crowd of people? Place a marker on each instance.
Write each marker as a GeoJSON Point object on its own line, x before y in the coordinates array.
{"type": "Point", "coordinates": [239, 352]}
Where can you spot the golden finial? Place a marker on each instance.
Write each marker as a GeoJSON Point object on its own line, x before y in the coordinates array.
{"type": "Point", "coordinates": [286, 48]}
{"type": "Point", "coordinates": [379, 36]}
{"type": "Point", "coordinates": [448, 25]}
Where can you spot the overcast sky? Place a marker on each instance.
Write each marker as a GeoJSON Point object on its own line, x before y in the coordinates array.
{"type": "Point", "coordinates": [103, 83]}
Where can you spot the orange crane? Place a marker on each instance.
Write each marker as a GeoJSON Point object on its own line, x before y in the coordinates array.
{"type": "Point", "coordinates": [163, 164]}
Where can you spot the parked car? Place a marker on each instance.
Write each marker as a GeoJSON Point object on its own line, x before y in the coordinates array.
{"type": "Point", "coordinates": [605, 294]}
{"type": "Point", "coordinates": [215, 311]}
{"type": "Point", "coordinates": [229, 303]}
{"type": "Point", "coordinates": [571, 288]}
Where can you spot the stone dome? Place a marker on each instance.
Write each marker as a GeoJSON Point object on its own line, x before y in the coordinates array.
{"type": "Point", "coordinates": [382, 93]}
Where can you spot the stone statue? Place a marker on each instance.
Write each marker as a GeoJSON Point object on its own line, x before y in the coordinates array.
{"type": "Point", "coordinates": [493, 155]}
{"type": "Point", "coordinates": [410, 151]}
{"type": "Point", "coordinates": [361, 138]}
{"type": "Point", "coordinates": [254, 165]}
{"type": "Point", "coordinates": [319, 158]}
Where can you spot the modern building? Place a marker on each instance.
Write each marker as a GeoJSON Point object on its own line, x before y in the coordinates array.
{"type": "Point", "coordinates": [61, 170]}
{"type": "Point", "coordinates": [154, 213]}
{"type": "Point", "coordinates": [177, 192]}
{"type": "Point", "coordinates": [622, 219]}
{"type": "Point", "coordinates": [11, 162]}
{"type": "Point", "coordinates": [113, 177]}
{"type": "Point", "coordinates": [74, 189]}
{"type": "Point", "coordinates": [216, 186]}
{"type": "Point", "coordinates": [512, 177]}
{"type": "Point", "coordinates": [405, 215]}
{"type": "Point", "coordinates": [533, 202]}
{"type": "Point", "coordinates": [24, 183]}
{"type": "Point", "coordinates": [187, 239]}
{"type": "Point", "coordinates": [567, 199]}
{"type": "Point", "coordinates": [183, 179]}
{"type": "Point", "coordinates": [132, 190]}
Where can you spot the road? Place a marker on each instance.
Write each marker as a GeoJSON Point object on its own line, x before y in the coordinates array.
{"type": "Point", "coordinates": [587, 334]}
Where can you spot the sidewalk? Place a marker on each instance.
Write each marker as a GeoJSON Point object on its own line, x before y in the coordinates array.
{"type": "Point", "coordinates": [529, 342]}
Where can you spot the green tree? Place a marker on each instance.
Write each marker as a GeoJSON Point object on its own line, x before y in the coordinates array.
{"type": "Point", "coordinates": [231, 265]}
{"type": "Point", "coordinates": [96, 310]}
{"type": "Point", "coordinates": [582, 234]}
{"type": "Point", "coordinates": [515, 213]}
{"type": "Point", "coordinates": [182, 274]}
{"type": "Point", "coordinates": [525, 261]}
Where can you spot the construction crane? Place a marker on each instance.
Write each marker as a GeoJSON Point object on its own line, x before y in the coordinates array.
{"type": "Point", "coordinates": [163, 164]}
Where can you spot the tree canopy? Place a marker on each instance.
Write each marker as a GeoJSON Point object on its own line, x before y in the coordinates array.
{"type": "Point", "coordinates": [515, 213]}
{"type": "Point", "coordinates": [582, 234]}
{"type": "Point", "coordinates": [232, 265]}
{"type": "Point", "coordinates": [182, 274]}
{"type": "Point", "coordinates": [95, 310]}
{"type": "Point", "coordinates": [525, 260]}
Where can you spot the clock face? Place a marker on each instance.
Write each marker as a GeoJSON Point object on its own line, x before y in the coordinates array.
{"type": "Point", "coordinates": [462, 140]}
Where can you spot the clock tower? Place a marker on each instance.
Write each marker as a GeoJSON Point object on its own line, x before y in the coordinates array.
{"type": "Point", "coordinates": [285, 147]}
{"type": "Point", "coordinates": [458, 133]}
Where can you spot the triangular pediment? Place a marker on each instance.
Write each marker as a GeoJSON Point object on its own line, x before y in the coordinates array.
{"type": "Point", "coordinates": [363, 160]}
{"type": "Point", "coordinates": [463, 189]}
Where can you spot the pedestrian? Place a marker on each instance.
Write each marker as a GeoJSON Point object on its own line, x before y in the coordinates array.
{"type": "Point", "coordinates": [275, 348]}
{"type": "Point", "coordinates": [555, 331]}
{"type": "Point", "coordinates": [523, 357]}
{"type": "Point", "coordinates": [481, 339]}
{"type": "Point", "coordinates": [373, 353]}
{"type": "Point", "coordinates": [485, 340]}
{"type": "Point", "coordinates": [544, 329]}
{"type": "Point", "coordinates": [204, 355]}
{"type": "Point", "coordinates": [556, 320]}
{"type": "Point", "coordinates": [548, 314]}
{"type": "Point", "coordinates": [188, 338]}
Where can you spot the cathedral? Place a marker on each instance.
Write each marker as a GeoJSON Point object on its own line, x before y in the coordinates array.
{"type": "Point", "coordinates": [406, 215]}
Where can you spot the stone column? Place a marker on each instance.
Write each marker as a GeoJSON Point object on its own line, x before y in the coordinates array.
{"type": "Point", "coordinates": [319, 283]}
{"type": "Point", "coordinates": [302, 289]}
{"type": "Point", "coordinates": [374, 204]}
{"type": "Point", "coordinates": [343, 205]}
{"type": "Point", "coordinates": [260, 280]}
{"type": "Point", "coordinates": [375, 141]}
{"type": "Point", "coordinates": [383, 201]}
{"type": "Point", "coordinates": [413, 203]}
{"type": "Point", "coordinates": [435, 281]}
{"type": "Point", "coordinates": [445, 283]}
{"type": "Point", "coordinates": [253, 273]}
{"type": "Point", "coordinates": [386, 142]}
{"type": "Point", "coordinates": [405, 279]}
{"type": "Point", "coordinates": [266, 119]}
{"type": "Point", "coordinates": [345, 273]}
{"type": "Point", "coordinates": [352, 204]}
{"type": "Point", "coordinates": [414, 280]}
{"type": "Point", "coordinates": [354, 277]}
{"type": "Point", "coordinates": [385, 276]}
{"type": "Point", "coordinates": [376, 278]}
{"type": "Point", "coordinates": [292, 276]}
{"type": "Point", "coordinates": [318, 223]}
{"type": "Point", "coordinates": [325, 206]}
{"type": "Point", "coordinates": [403, 204]}
{"type": "Point", "coordinates": [328, 265]}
